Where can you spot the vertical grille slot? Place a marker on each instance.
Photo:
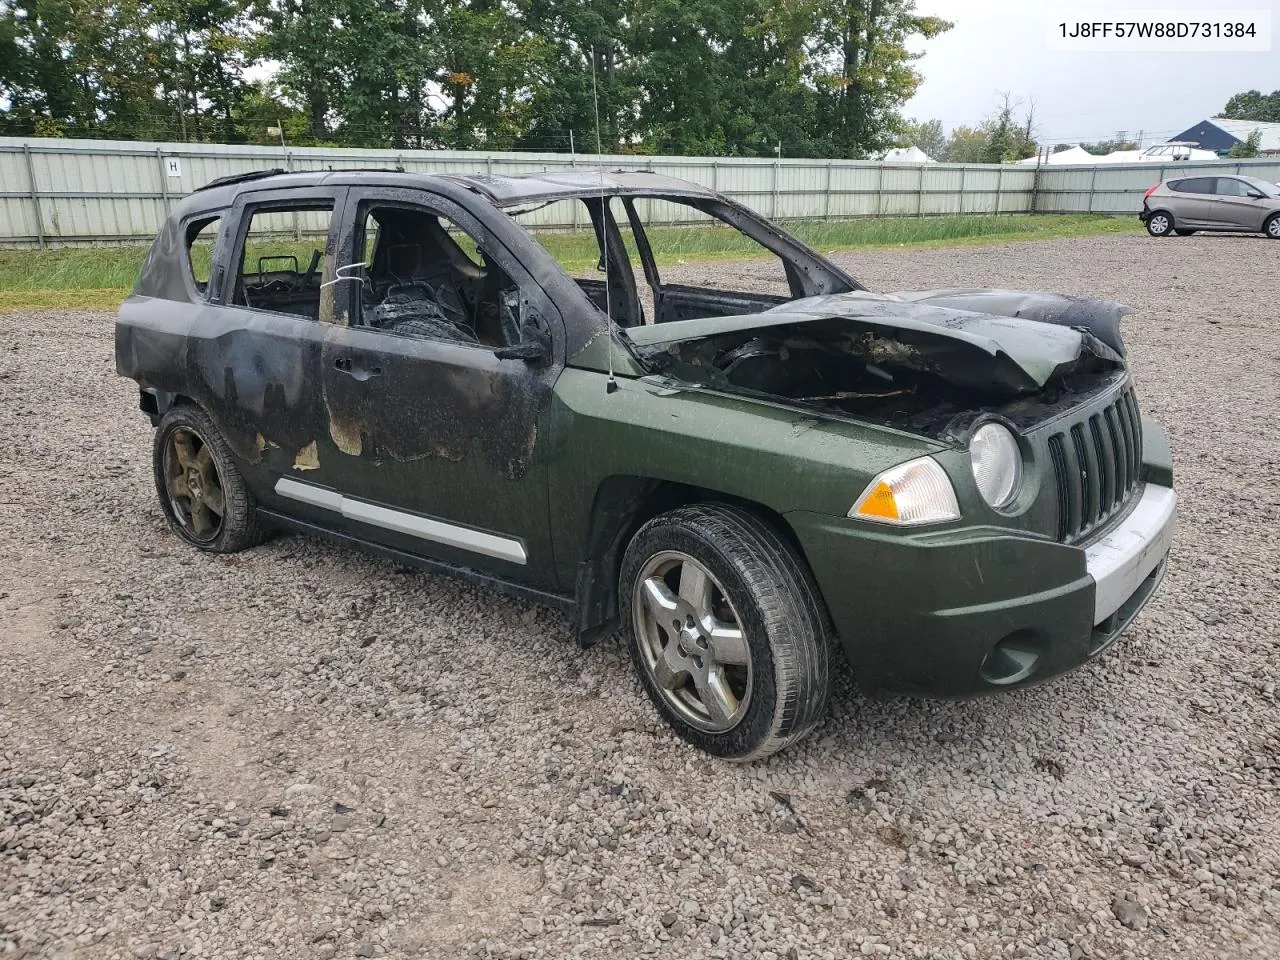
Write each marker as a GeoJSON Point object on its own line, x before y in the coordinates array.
{"type": "Point", "coordinates": [1106, 473]}
{"type": "Point", "coordinates": [1096, 463]}
{"type": "Point", "coordinates": [1060, 474]}
{"type": "Point", "coordinates": [1089, 506]}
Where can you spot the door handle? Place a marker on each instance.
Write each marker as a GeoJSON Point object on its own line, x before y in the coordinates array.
{"type": "Point", "coordinates": [355, 370]}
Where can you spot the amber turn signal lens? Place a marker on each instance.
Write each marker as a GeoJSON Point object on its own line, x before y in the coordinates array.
{"type": "Point", "coordinates": [915, 492]}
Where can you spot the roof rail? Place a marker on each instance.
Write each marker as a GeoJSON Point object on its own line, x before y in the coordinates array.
{"type": "Point", "coordinates": [240, 178]}
{"type": "Point", "coordinates": [364, 170]}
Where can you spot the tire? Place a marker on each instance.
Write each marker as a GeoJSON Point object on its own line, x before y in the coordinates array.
{"type": "Point", "coordinates": [1183, 232]}
{"type": "Point", "coordinates": [195, 474]}
{"type": "Point", "coordinates": [1160, 223]}
{"type": "Point", "coordinates": [712, 568]}
{"type": "Point", "coordinates": [1272, 227]}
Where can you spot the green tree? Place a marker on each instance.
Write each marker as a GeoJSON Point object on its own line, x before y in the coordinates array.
{"type": "Point", "coordinates": [562, 108]}
{"type": "Point", "coordinates": [927, 135]}
{"type": "Point", "coordinates": [201, 50]}
{"type": "Point", "coordinates": [964, 145]}
{"type": "Point", "coordinates": [489, 64]}
{"type": "Point", "coordinates": [1007, 140]}
{"type": "Point", "coordinates": [1254, 105]}
{"type": "Point", "coordinates": [865, 70]}
{"type": "Point", "coordinates": [1244, 149]}
{"type": "Point", "coordinates": [723, 76]}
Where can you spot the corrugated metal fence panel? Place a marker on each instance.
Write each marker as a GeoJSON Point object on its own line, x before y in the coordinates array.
{"type": "Point", "coordinates": [109, 190]}
{"type": "Point", "coordinates": [1118, 187]}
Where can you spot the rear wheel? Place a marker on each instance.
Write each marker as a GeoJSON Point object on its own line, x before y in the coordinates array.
{"type": "Point", "coordinates": [201, 491]}
{"type": "Point", "coordinates": [726, 630]}
{"type": "Point", "coordinates": [1272, 227]}
{"type": "Point", "coordinates": [1160, 224]}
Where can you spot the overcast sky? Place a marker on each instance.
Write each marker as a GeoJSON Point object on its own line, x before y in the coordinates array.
{"type": "Point", "coordinates": [1001, 45]}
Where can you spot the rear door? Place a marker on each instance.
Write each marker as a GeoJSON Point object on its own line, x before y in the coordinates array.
{"type": "Point", "coordinates": [1235, 207]}
{"type": "Point", "coordinates": [1191, 202]}
{"type": "Point", "coordinates": [254, 354]}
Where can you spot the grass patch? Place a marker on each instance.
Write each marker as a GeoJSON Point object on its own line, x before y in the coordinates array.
{"type": "Point", "coordinates": [100, 277]}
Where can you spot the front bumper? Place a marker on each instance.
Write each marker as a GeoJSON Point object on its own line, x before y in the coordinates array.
{"type": "Point", "coordinates": [974, 611]}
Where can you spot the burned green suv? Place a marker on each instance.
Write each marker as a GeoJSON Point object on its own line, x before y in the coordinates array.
{"type": "Point", "coordinates": [497, 377]}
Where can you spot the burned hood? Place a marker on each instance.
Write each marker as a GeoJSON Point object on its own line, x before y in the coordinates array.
{"type": "Point", "coordinates": [968, 348]}
{"type": "Point", "coordinates": [1098, 317]}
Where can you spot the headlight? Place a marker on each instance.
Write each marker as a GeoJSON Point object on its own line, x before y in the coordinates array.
{"type": "Point", "coordinates": [918, 491]}
{"type": "Point", "coordinates": [997, 464]}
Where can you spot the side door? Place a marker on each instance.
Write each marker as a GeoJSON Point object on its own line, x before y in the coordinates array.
{"type": "Point", "coordinates": [1239, 204]}
{"type": "Point", "coordinates": [436, 430]}
{"type": "Point", "coordinates": [256, 347]}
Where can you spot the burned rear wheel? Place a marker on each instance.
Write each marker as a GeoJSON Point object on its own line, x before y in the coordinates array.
{"type": "Point", "coordinates": [726, 630]}
{"type": "Point", "coordinates": [202, 494]}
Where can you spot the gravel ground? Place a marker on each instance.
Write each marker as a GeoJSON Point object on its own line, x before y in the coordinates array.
{"type": "Point", "coordinates": [301, 752]}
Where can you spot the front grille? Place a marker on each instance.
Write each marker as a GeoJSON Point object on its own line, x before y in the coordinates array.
{"type": "Point", "coordinates": [1096, 462]}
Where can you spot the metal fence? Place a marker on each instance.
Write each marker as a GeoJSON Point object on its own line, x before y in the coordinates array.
{"type": "Point", "coordinates": [77, 191]}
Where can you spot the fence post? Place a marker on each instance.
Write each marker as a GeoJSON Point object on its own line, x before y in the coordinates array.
{"type": "Point", "coordinates": [773, 208]}
{"type": "Point", "coordinates": [1092, 180]}
{"type": "Point", "coordinates": [164, 179]}
{"type": "Point", "coordinates": [826, 205]}
{"type": "Point", "coordinates": [715, 175]}
{"type": "Point", "coordinates": [999, 188]}
{"type": "Point", "coordinates": [880, 192]}
{"type": "Point", "coordinates": [920, 194]}
{"type": "Point", "coordinates": [35, 194]}
{"type": "Point", "coordinates": [963, 171]}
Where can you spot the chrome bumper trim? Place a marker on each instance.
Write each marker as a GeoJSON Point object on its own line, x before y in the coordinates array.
{"type": "Point", "coordinates": [1126, 555]}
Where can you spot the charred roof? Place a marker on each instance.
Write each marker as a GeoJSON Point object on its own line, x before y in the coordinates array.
{"type": "Point", "coordinates": [501, 190]}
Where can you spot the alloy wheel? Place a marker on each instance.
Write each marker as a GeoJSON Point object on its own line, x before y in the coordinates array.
{"type": "Point", "coordinates": [692, 641]}
{"type": "Point", "coordinates": [1159, 224]}
{"type": "Point", "coordinates": [192, 482]}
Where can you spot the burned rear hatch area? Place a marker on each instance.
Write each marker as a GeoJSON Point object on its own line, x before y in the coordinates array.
{"type": "Point", "coordinates": [915, 366]}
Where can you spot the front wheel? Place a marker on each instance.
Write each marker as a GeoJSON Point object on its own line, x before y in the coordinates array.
{"type": "Point", "coordinates": [1160, 224]}
{"type": "Point", "coordinates": [1272, 227]}
{"type": "Point", "coordinates": [726, 630]}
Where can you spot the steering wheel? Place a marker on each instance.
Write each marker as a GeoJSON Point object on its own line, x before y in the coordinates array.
{"type": "Point", "coordinates": [276, 286]}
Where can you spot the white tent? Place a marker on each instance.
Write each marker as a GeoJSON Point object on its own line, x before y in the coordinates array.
{"type": "Point", "coordinates": [1072, 155]}
{"type": "Point", "coordinates": [912, 154]}
{"type": "Point", "coordinates": [1160, 153]}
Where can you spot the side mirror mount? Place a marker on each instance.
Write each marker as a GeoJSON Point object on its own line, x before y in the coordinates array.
{"type": "Point", "coordinates": [534, 344]}
{"type": "Point", "coordinates": [530, 351]}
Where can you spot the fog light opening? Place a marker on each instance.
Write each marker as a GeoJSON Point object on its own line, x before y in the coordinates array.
{"type": "Point", "coordinates": [1013, 659]}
